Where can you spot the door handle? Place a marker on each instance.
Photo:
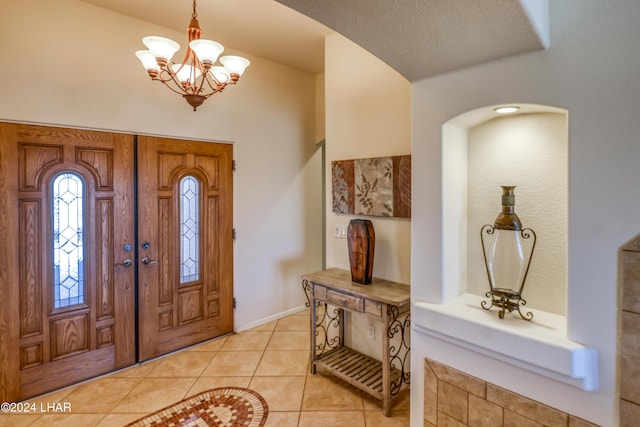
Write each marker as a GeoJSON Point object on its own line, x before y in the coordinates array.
{"type": "Point", "coordinates": [126, 263]}
{"type": "Point", "coordinates": [146, 261]}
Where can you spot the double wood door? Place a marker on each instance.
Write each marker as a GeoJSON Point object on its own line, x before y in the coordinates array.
{"type": "Point", "coordinates": [186, 237]}
{"type": "Point", "coordinates": [73, 272]}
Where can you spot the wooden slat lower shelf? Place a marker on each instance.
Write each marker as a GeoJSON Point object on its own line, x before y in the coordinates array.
{"type": "Point", "coordinates": [357, 369]}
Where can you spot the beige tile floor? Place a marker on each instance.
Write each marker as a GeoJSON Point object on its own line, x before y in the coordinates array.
{"type": "Point", "coordinates": [271, 359]}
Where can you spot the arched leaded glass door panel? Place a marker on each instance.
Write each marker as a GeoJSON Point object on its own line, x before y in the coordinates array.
{"type": "Point", "coordinates": [68, 245]}
{"type": "Point", "coordinates": [66, 202]}
{"type": "Point", "coordinates": [189, 246]}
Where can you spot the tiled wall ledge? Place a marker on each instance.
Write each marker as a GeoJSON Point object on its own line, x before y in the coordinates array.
{"type": "Point", "coordinates": [540, 346]}
{"type": "Point", "coordinates": [453, 398]}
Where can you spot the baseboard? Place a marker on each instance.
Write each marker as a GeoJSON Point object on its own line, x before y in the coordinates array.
{"type": "Point", "coordinates": [268, 319]}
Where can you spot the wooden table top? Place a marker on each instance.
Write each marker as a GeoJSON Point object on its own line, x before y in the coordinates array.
{"type": "Point", "coordinates": [381, 290]}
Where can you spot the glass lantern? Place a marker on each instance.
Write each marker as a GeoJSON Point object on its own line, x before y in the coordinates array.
{"type": "Point", "coordinates": [507, 249]}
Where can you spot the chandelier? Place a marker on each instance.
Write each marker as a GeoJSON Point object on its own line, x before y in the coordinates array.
{"type": "Point", "coordinates": [196, 78]}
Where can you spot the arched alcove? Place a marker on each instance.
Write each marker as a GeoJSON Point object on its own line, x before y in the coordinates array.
{"type": "Point", "coordinates": [480, 152]}
{"type": "Point", "coordinates": [483, 150]}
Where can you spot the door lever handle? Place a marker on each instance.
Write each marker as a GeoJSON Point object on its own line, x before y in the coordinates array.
{"type": "Point", "coordinates": [146, 261]}
{"type": "Point", "coordinates": [126, 263]}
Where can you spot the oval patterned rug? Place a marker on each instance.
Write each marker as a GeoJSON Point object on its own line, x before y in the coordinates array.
{"type": "Point", "coordinates": [219, 407]}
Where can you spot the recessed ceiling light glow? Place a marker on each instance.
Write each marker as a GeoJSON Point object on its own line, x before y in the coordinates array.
{"type": "Point", "coordinates": [506, 110]}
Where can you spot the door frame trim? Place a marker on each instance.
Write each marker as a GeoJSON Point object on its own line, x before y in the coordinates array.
{"type": "Point", "coordinates": [136, 266]}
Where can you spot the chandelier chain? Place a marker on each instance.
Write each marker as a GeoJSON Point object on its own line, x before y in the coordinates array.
{"type": "Point", "coordinates": [194, 15]}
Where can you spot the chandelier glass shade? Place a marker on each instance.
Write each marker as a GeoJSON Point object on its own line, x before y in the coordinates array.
{"type": "Point", "coordinates": [196, 78]}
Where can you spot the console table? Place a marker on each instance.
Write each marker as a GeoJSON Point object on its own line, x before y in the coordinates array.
{"type": "Point", "coordinates": [329, 293]}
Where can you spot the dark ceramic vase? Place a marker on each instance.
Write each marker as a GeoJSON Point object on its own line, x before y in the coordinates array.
{"type": "Point", "coordinates": [361, 240]}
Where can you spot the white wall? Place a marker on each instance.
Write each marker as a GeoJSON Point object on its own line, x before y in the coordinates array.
{"type": "Point", "coordinates": [367, 115]}
{"type": "Point", "coordinates": [455, 188]}
{"type": "Point", "coordinates": [590, 70]}
{"type": "Point", "coordinates": [72, 64]}
{"type": "Point", "coordinates": [320, 126]}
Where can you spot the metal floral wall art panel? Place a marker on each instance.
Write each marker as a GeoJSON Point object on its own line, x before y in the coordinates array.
{"type": "Point", "coordinates": [379, 186]}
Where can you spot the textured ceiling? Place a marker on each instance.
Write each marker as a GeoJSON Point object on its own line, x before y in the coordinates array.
{"type": "Point", "coordinates": [423, 38]}
{"type": "Point", "coordinates": [418, 38]}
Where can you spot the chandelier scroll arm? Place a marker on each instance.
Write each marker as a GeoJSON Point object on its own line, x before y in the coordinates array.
{"type": "Point", "coordinates": [214, 85]}
{"type": "Point", "coordinates": [172, 79]}
{"type": "Point", "coordinates": [204, 69]}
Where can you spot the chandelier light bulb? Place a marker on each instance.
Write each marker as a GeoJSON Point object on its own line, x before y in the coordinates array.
{"type": "Point", "coordinates": [207, 51]}
{"type": "Point", "coordinates": [185, 73]}
{"type": "Point", "coordinates": [220, 74]}
{"type": "Point", "coordinates": [148, 60]}
{"type": "Point", "coordinates": [235, 64]}
{"type": "Point", "coordinates": [161, 47]}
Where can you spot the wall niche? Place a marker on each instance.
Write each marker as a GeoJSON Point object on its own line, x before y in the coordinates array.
{"type": "Point", "coordinates": [483, 150]}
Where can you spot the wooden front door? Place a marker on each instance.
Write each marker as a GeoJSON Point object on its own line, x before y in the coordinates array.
{"type": "Point", "coordinates": [66, 270]}
{"type": "Point", "coordinates": [185, 272]}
